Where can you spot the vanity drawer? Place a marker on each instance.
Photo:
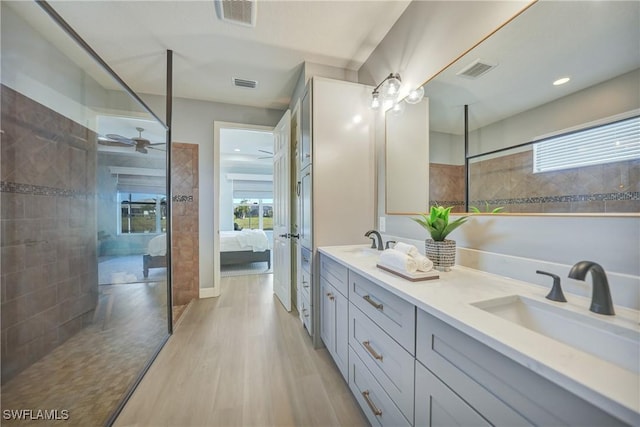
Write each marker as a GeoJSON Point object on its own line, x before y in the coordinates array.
{"type": "Point", "coordinates": [335, 273]}
{"type": "Point", "coordinates": [393, 314]}
{"type": "Point", "coordinates": [305, 285]}
{"type": "Point", "coordinates": [305, 314]}
{"type": "Point", "coordinates": [388, 362]}
{"type": "Point", "coordinates": [375, 403]}
{"type": "Point", "coordinates": [305, 259]}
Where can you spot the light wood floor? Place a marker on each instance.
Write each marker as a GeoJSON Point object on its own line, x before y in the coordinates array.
{"type": "Point", "coordinates": [242, 360]}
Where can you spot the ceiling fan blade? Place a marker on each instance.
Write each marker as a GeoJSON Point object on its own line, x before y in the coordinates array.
{"type": "Point", "coordinates": [154, 148]}
{"type": "Point", "coordinates": [121, 139]}
{"type": "Point", "coordinates": [265, 151]}
{"type": "Point", "coordinates": [156, 143]}
{"type": "Point", "coordinates": [111, 142]}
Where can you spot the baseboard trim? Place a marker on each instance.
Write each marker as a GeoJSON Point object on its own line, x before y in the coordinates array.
{"type": "Point", "coordinates": [207, 293]}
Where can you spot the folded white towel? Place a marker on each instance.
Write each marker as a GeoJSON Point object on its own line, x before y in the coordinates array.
{"type": "Point", "coordinates": [406, 249]}
{"type": "Point", "coordinates": [424, 263]}
{"type": "Point", "coordinates": [398, 261]}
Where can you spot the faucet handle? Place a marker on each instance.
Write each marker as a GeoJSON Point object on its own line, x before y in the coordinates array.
{"type": "Point", "coordinates": [388, 243]}
{"type": "Point", "coordinates": [556, 291]}
{"type": "Point", "coordinates": [373, 243]}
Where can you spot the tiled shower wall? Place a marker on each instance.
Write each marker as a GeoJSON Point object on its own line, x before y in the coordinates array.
{"type": "Point", "coordinates": [184, 223]}
{"type": "Point", "coordinates": [446, 186]}
{"type": "Point", "coordinates": [49, 283]}
{"type": "Point", "coordinates": [509, 181]}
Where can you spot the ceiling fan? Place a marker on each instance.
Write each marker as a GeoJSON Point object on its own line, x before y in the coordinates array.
{"type": "Point", "coordinates": [270, 155]}
{"type": "Point", "coordinates": [141, 144]}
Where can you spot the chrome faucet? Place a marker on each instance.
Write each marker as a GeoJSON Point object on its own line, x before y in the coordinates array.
{"type": "Point", "coordinates": [380, 245]}
{"type": "Point", "coordinates": [601, 296]}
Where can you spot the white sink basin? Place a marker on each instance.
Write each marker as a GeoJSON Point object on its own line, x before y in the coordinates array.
{"type": "Point", "coordinates": [363, 252]}
{"type": "Point", "coordinates": [614, 343]}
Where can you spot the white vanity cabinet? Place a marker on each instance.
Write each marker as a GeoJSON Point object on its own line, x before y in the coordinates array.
{"type": "Point", "coordinates": [496, 388]}
{"type": "Point", "coordinates": [408, 367]}
{"type": "Point", "coordinates": [336, 187]}
{"type": "Point", "coordinates": [334, 307]}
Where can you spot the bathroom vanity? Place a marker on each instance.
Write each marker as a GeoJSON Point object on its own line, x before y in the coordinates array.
{"type": "Point", "coordinates": [459, 351]}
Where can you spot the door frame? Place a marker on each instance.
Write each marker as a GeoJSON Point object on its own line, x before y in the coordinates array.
{"type": "Point", "coordinates": [217, 126]}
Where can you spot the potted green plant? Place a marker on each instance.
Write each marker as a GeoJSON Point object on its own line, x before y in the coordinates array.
{"type": "Point", "coordinates": [439, 249]}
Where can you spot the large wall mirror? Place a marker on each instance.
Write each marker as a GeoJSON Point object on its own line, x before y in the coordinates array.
{"type": "Point", "coordinates": [535, 146]}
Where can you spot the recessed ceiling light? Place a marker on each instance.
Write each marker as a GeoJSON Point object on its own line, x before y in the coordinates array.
{"type": "Point", "coordinates": [236, 149]}
{"type": "Point", "coordinates": [561, 81]}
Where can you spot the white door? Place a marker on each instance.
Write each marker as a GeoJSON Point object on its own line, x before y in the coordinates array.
{"type": "Point", "coordinates": [282, 211]}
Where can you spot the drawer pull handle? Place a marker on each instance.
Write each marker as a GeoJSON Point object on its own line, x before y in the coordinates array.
{"type": "Point", "coordinates": [368, 299]}
{"type": "Point", "coordinates": [305, 312]}
{"type": "Point", "coordinates": [370, 349]}
{"type": "Point", "coordinates": [377, 412]}
{"type": "Point", "coordinates": [330, 295]}
{"type": "Point", "coordinates": [303, 284]}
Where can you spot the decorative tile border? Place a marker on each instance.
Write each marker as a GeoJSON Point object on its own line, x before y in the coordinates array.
{"type": "Point", "coordinates": [627, 195]}
{"type": "Point", "coordinates": [181, 198]}
{"type": "Point", "coordinates": [446, 203]}
{"type": "Point", "coordinates": [40, 190]}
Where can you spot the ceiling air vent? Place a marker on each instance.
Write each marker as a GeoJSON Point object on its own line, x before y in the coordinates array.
{"type": "Point", "coordinates": [476, 69]}
{"type": "Point", "coordinates": [241, 12]}
{"type": "Point", "coordinates": [251, 84]}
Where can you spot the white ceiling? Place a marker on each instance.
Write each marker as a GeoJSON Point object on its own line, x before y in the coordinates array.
{"type": "Point", "coordinates": [133, 36]}
{"type": "Point", "coordinates": [246, 148]}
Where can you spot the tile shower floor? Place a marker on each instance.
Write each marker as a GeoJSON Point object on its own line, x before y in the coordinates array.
{"type": "Point", "coordinates": [89, 374]}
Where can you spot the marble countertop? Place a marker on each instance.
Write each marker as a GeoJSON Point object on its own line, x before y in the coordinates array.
{"type": "Point", "coordinates": [450, 298]}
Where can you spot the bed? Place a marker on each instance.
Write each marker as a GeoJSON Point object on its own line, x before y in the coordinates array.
{"type": "Point", "coordinates": [243, 247]}
{"type": "Point", "coordinates": [156, 256]}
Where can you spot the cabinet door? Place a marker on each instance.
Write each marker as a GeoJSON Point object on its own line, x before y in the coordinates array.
{"type": "Point", "coordinates": [436, 405]}
{"type": "Point", "coordinates": [304, 152]}
{"type": "Point", "coordinates": [327, 315]}
{"type": "Point", "coordinates": [341, 307]}
{"type": "Point", "coordinates": [305, 208]}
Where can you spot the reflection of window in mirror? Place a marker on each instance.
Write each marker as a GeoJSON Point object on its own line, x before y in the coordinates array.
{"type": "Point", "coordinates": [593, 169]}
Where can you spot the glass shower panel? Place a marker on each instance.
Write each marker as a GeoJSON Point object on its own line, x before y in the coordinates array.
{"type": "Point", "coordinates": [84, 220]}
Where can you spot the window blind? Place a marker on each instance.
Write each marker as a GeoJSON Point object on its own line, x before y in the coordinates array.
{"type": "Point", "coordinates": [613, 142]}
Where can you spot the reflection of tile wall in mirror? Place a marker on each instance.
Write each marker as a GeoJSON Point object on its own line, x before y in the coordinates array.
{"type": "Point", "coordinates": [446, 186]}
{"type": "Point", "coordinates": [509, 181]}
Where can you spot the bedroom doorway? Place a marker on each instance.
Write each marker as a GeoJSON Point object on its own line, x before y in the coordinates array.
{"type": "Point", "coordinates": [244, 221]}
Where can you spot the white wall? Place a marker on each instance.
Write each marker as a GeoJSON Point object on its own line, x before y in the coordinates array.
{"type": "Point", "coordinates": [446, 148]}
{"type": "Point", "coordinates": [428, 37]}
{"type": "Point", "coordinates": [193, 124]}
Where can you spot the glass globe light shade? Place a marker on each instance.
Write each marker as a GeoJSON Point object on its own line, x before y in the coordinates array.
{"type": "Point", "coordinates": [415, 96]}
{"type": "Point", "coordinates": [397, 108]}
{"type": "Point", "coordinates": [392, 87]}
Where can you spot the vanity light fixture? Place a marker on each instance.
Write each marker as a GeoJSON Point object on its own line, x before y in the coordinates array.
{"type": "Point", "coordinates": [375, 100]}
{"type": "Point", "coordinates": [415, 96]}
{"type": "Point", "coordinates": [387, 92]}
{"type": "Point", "coordinates": [398, 108]}
{"type": "Point", "coordinates": [561, 81]}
